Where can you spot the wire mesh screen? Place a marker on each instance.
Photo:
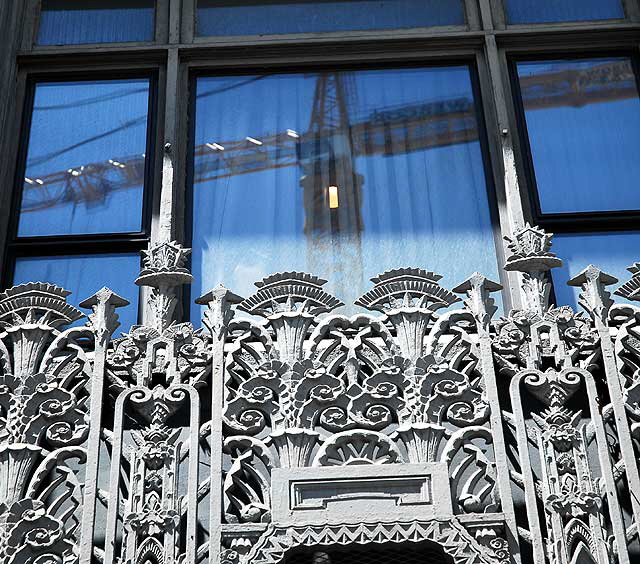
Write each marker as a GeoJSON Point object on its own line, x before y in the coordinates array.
{"type": "Point", "coordinates": [406, 553]}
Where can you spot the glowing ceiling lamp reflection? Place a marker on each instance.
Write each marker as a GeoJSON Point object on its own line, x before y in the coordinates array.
{"type": "Point", "coordinates": [333, 197]}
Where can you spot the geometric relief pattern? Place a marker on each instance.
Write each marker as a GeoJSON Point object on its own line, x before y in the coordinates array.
{"type": "Point", "coordinates": [160, 446]}
{"type": "Point", "coordinates": [451, 536]}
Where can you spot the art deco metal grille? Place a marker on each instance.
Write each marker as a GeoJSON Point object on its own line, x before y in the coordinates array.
{"type": "Point", "coordinates": [281, 427]}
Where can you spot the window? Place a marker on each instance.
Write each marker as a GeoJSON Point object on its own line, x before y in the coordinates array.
{"type": "Point", "coordinates": [262, 17]}
{"type": "Point", "coordinates": [343, 174]}
{"type": "Point", "coordinates": [310, 136]}
{"type": "Point", "coordinates": [549, 11]}
{"type": "Point", "coordinates": [83, 187]}
{"type": "Point", "coordinates": [68, 22]}
{"type": "Point", "coordinates": [583, 129]}
{"type": "Point", "coordinates": [86, 158]}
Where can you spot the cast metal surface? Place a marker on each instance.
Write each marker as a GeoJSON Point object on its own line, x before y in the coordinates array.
{"type": "Point", "coordinates": [281, 424]}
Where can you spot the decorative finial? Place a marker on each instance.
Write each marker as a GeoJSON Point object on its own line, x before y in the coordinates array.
{"type": "Point", "coordinates": [104, 319]}
{"type": "Point", "coordinates": [163, 270]}
{"type": "Point", "coordinates": [479, 302]}
{"type": "Point", "coordinates": [594, 298]}
{"type": "Point", "coordinates": [530, 248]}
{"type": "Point", "coordinates": [531, 255]}
{"type": "Point", "coordinates": [218, 313]}
{"type": "Point", "coordinates": [164, 265]}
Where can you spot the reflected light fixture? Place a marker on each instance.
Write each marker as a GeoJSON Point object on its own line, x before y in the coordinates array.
{"type": "Point", "coordinates": [215, 146]}
{"type": "Point", "coordinates": [254, 141]}
{"type": "Point", "coordinates": [292, 133]}
{"type": "Point", "coordinates": [333, 197]}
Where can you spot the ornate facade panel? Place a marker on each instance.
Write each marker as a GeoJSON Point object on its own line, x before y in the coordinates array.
{"type": "Point", "coordinates": [281, 424]}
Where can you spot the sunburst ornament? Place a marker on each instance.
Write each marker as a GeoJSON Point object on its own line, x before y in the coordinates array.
{"type": "Point", "coordinates": [290, 292]}
{"type": "Point", "coordinates": [37, 302]}
{"type": "Point", "coordinates": [406, 288]}
{"type": "Point", "coordinates": [631, 290]}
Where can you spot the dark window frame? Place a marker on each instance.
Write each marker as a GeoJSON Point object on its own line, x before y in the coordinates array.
{"type": "Point", "coordinates": [468, 60]}
{"type": "Point", "coordinates": [80, 244]}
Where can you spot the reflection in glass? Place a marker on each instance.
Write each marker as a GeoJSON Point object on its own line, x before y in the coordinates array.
{"type": "Point", "coordinates": [86, 158]}
{"type": "Point", "coordinates": [610, 252]}
{"type": "Point", "coordinates": [72, 22]}
{"type": "Point", "coordinates": [84, 275]}
{"type": "Point", "coordinates": [549, 11]}
{"type": "Point", "coordinates": [583, 121]}
{"type": "Point", "coordinates": [342, 174]}
{"type": "Point", "coordinates": [263, 17]}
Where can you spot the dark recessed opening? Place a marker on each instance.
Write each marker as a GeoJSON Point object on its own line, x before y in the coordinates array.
{"type": "Point", "coordinates": [405, 553]}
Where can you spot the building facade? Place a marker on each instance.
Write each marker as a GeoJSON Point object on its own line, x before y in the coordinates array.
{"type": "Point", "coordinates": [278, 282]}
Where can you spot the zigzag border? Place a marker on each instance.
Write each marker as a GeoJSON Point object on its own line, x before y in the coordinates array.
{"type": "Point", "coordinates": [456, 541]}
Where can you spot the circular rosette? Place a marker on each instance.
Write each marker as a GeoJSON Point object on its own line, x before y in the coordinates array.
{"type": "Point", "coordinates": [456, 402]}
{"type": "Point", "coordinates": [51, 412]}
{"type": "Point", "coordinates": [33, 535]}
{"type": "Point", "coordinates": [335, 418]}
{"type": "Point", "coordinates": [378, 409]}
{"type": "Point", "coordinates": [319, 399]}
{"type": "Point", "coordinates": [256, 404]}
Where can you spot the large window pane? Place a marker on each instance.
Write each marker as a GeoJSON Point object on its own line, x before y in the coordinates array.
{"type": "Point", "coordinates": [263, 17]}
{"type": "Point", "coordinates": [342, 174]}
{"type": "Point", "coordinates": [583, 121]}
{"type": "Point", "coordinates": [86, 158]}
{"type": "Point", "coordinates": [84, 275]}
{"type": "Point", "coordinates": [548, 11]}
{"type": "Point", "coordinates": [71, 22]}
{"type": "Point", "coordinates": [611, 252]}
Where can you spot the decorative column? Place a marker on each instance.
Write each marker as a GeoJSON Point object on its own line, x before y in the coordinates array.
{"type": "Point", "coordinates": [596, 300]}
{"type": "Point", "coordinates": [217, 316]}
{"type": "Point", "coordinates": [158, 370]}
{"type": "Point", "coordinates": [481, 305]}
{"type": "Point", "coordinates": [103, 321]}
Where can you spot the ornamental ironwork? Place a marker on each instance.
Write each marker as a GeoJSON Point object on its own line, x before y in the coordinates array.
{"type": "Point", "coordinates": [282, 424]}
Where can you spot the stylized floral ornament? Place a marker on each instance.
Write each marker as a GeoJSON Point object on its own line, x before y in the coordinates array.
{"type": "Point", "coordinates": [226, 444]}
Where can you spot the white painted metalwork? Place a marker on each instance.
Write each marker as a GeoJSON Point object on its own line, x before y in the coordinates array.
{"type": "Point", "coordinates": [289, 425]}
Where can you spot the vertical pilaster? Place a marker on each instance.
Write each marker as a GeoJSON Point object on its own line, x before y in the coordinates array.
{"type": "Point", "coordinates": [480, 304]}
{"type": "Point", "coordinates": [103, 321]}
{"type": "Point", "coordinates": [597, 301]}
{"type": "Point", "coordinates": [216, 318]}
